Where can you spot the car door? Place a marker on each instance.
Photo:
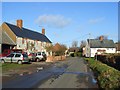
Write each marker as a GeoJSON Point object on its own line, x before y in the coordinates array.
{"type": "Point", "coordinates": [9, 58]}
{"type": "Point", "coordinates": [16, 57]}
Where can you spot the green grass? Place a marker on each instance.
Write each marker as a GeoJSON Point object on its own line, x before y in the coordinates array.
{"type": "Point", "coordinates": [12, 66]}
{"type": "Point", "coordinates": [107, 76]}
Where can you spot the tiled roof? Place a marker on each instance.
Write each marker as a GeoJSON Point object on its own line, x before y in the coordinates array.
{"type": "Point", "coordinates": [26, 33]}
{"type": "Point", "coordinates": [5, 39]}
{"type": "Point", "coordinates": [95, 43]}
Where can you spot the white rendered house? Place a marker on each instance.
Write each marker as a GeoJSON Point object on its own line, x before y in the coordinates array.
{"type": "Point", "coordinates": [99, 46]}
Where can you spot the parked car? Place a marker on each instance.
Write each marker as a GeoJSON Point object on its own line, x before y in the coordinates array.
{"type": "Point", "coordinates": [40, 56]}
{"type": "Point", "coordinates": [32, 56]}
{"type": "Point", "coordinates": [15, 58]}
{"type": "Point", "coordinates": [8, 51]}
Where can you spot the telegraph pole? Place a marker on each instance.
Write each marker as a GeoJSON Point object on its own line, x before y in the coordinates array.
{"type": "Point", "coordinates": [89, 45]}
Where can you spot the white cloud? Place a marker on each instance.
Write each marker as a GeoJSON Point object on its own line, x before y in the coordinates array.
{"type": "Point", "coordinates": [56, 21]}
{"type": "Point", "coordinates": [96, 20]}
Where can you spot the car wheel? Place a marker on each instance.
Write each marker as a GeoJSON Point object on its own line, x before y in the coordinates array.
{"type": "Point", "coordinates": [2, 61]}
{"type": "Point", "coordinates": [19, 62]}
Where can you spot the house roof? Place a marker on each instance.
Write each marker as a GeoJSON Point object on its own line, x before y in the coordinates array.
{"type": "Point", "coordinates": [74, 49]}
{"type": "Point", "coordinates": [5, 39]}
{"type": "Point", "coordinates": [26, 33]}
{"type": "Point", "coordinates": [95, 43]}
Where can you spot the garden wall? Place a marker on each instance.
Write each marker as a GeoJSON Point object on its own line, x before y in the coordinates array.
{"type": "Point", "coordinates": [55, 58]}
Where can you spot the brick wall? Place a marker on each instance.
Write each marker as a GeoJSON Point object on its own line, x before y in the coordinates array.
{"type": "Point", "coordinates": [55, 58]}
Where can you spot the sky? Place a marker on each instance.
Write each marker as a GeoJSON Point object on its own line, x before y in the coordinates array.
{"type": "Point", "coordinates": [65, 22]}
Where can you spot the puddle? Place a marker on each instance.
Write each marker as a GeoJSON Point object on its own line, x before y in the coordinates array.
{"type": "Point", "coordinates": [83, 77]}
{"type": "Point", "coordinates": [88, 80]}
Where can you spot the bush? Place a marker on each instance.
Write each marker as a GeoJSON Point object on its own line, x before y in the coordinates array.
{"type": "Point", "coordinates": [107, 76]}
{"type": "Point", "coordinates": [76, 54]}
{"type": "Point", "coordinates": [72, 54]}
{"type": "Point", "coordinates": [110, 59]}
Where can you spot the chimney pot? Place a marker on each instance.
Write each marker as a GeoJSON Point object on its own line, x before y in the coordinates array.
{"type": "Point", "coordinates": [43, 31]}
{"type": "Point", "coordinates": [101, 38]}
{"type": "Point", "coordinates": [19, 23]}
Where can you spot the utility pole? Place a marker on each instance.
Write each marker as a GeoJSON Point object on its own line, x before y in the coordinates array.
{"type": "Point", "coordinates": [89, 45]}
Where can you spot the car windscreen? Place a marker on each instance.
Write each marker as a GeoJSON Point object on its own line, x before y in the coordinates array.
{"type": "Point", "coordinates": [39, 53]}
{"type": "Point", "coordinates": [43, 53]}
{"type": "Point", "coordinates": [10, 55]}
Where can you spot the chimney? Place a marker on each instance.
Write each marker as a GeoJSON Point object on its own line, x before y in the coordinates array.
{"type": "Point", "coordinates": [101, 38]}
{"type": "Point", "coordinates": [19, 23]}
{"type": "Point", "coordinates": [43, 31]}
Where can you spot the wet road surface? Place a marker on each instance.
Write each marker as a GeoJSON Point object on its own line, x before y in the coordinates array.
{"type": "Point", "coordinates": [71, 73]}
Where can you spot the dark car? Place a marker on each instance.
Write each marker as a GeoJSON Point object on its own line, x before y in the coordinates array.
{"type": "Point", "coordinates": [32, 56]}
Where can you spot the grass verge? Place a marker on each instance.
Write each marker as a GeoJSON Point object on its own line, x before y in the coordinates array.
{"type": "Point", "coordinates": [12, 66]}
{"type": "Point", "coordinates": [107, 76]}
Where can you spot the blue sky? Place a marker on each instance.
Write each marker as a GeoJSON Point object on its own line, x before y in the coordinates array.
{"type": "Point", "coordinates": [65, 22]}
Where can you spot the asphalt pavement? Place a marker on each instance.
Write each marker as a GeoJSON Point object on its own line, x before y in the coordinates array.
{"type": "Point", "coordinates": [71, 73]}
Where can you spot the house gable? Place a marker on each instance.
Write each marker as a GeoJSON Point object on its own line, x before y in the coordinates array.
{"type": "Point", "coordinates": [8, 31]}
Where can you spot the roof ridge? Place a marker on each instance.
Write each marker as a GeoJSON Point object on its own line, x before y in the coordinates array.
{"type": "Point", "coordinates": [23, 27]}
{"type": "Point", "coordinates": [28, 33]}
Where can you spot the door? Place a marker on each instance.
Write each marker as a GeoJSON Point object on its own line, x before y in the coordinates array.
{"type": "Point", "coordinates": [9, 58]}
{"type": "Point", "coordinates": [16, 57]}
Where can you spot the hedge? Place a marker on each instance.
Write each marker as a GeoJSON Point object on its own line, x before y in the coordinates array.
{"type": "Point", "coordinates": [110, 59]}
{"type": "Point", "coordinates": [76, 54]}
{"type": "Point", "coordinates": [107, 76]}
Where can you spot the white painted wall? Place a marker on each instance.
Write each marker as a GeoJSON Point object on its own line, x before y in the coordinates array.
{"type": "Point", "coordinates": [38, 45]}
{"type": "Point", "coordinates": [0, 48]}
{"type": "Point", "coordinates": [19, 43]}
{"type": "Point", "coordinates": [90, 52]}
{"type": "Point", "coordinates": [108, 50]}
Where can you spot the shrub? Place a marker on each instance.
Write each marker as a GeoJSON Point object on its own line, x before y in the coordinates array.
{"type": "Point", "coordinates": [76, 54]}
{"type": "Point", "coordinates": [72, 54]}
{"type": "Point", "coordinates": [107, 76]}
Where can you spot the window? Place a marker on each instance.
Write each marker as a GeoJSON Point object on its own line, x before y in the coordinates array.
{"type": "Point", "coordinates": [17, 55]}
{"type": "Point", "coordinates": [39, 53]}
{"type": "Point", "coordinates": [11, 55]}
{"type": "Point", "coordinates": [25, 55]}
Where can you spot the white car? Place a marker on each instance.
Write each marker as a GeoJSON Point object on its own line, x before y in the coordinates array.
{"type": "Point", "coordinates": [40, 56]}
{"type": "Point", "coordinates": [15, 58]}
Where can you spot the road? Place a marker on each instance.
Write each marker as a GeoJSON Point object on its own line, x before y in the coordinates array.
{"type": "Point", "coordinates": [71, 73]}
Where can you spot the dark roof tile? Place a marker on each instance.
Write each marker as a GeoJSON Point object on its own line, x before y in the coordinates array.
{"type": "Point", "coordinates": [26, 33]}
{"type": "Point", "coordinates": [95, 43]}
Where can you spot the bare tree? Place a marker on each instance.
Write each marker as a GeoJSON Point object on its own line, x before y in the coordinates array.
{"type": "Point", "coordinates": [74, 43]}
{"type": "Point", "coordinates": [83, 44]}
